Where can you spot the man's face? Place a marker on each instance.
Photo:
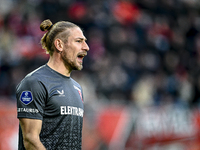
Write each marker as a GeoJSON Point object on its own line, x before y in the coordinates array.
{"type": "Point", "coordinates": [74, 50]}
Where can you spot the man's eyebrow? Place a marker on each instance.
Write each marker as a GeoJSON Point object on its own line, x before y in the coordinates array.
{"type": "Point", "coordinates": [80, 38]}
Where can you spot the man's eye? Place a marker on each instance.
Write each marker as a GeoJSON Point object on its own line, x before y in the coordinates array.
{"type": "Point", "coordinates": [79, 41]}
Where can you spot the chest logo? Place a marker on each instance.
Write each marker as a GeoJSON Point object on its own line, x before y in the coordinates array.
{"type": "Point", "coordinates": [61, 93]}
{"type": "Point", "coordinates": [26, 97]}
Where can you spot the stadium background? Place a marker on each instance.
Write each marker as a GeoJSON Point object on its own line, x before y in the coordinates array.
{"type": "Point", "coordinates": [141, 76]}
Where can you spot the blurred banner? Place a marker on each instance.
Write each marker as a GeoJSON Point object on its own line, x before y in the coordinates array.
{"type": "Point", "coordinates": [121, 127]}
{"type": "Point", "coordinates": [8, 125]}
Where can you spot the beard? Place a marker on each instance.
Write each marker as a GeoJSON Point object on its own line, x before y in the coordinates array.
{"type": "Point", "coordinates": [69, 63]}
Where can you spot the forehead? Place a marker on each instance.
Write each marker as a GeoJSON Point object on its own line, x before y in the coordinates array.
{"type": "Point", "coordinates": [76, 33]}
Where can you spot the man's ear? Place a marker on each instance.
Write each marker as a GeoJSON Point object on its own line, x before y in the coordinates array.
{"type": "Point", "coordinates": [59, 45]}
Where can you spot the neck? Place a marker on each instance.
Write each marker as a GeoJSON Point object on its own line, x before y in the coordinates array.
{"type": "Point", "coordinates": [57, 64]}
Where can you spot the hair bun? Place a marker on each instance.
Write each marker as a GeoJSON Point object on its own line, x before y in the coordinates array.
{"type": "Point", "coordinates": [46, 25]}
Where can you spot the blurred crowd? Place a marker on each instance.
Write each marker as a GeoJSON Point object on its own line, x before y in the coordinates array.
{"type": "Point", "coordinates": [145, 52]}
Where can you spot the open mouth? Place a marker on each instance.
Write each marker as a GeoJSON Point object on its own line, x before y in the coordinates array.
{"type": "Point", "coordinates": [81, 56]}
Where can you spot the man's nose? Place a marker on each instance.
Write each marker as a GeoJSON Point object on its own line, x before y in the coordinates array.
{"type": "Point", "coordinates": [86, 47]}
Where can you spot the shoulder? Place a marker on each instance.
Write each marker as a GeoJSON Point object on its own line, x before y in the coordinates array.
{"type": "Point", "coordinates": [33, 79]}
{"type": "Point", "coordinates": [39, 72]}
{"type": "Point", "coordinates": [76, 83]}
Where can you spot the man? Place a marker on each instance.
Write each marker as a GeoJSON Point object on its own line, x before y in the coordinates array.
{"type": "Point", "coordinates": [49, 101]}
